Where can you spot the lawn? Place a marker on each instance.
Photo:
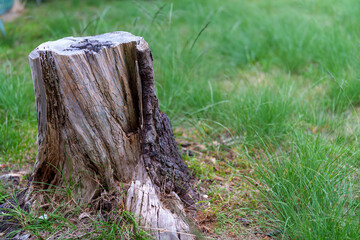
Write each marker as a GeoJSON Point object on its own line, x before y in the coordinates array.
{"type": "Point", "coordinates": [263, 96]}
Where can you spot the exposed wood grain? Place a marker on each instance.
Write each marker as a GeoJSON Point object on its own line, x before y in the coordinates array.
{"type": "Point", "coordinates": [100, 126]}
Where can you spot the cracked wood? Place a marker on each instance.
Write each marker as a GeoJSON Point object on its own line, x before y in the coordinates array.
{"type": "Point", "coordinates": [99, 124]}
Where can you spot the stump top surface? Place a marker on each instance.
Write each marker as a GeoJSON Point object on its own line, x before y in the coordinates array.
{"type": "Point", "coordinates": [94, 44]}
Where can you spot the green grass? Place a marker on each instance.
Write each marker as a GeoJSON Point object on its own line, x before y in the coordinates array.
{"type": "Point", "coordinates": [17, 115]}
{"type": "Point", "coordinates": [311, 188]}
{"type": "Point", "coordinates": [66, 221]}
{"type": "Point", "coordinates": [280, 79]}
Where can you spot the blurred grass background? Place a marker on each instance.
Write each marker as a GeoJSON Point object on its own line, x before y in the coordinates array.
{"type": "Point", "coordinates": [279, 77]}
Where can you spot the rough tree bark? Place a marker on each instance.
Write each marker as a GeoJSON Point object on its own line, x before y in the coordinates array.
{"type": "Point", "coordinates": [100, 128]}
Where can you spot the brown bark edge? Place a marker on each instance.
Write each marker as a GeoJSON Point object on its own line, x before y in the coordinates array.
{"type": "Point", "coordinates": [161, 157]}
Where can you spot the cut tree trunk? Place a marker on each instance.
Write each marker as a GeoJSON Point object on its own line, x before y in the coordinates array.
{"type": "Point", "coordinates": [100, 129]}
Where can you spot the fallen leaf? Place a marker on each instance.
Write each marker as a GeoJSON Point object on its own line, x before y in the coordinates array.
{"type": "Point", "coordinates": [219, 178]}
{"type": "Point", "coordinates": [236, 178]}
{"type": "Point", "coordinates": [84, 215]}
{"type": "Point", "coordinates": [44, 217]}
{"type": "Point", "coordinates": [207, 229]}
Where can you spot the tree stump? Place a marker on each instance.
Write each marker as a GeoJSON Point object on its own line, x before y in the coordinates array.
{"type": "Point", "coordinates": [100, 128]}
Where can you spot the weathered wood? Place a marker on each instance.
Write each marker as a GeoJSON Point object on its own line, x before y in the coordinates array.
{"type": "Point", "coordinates": [100, 128]}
